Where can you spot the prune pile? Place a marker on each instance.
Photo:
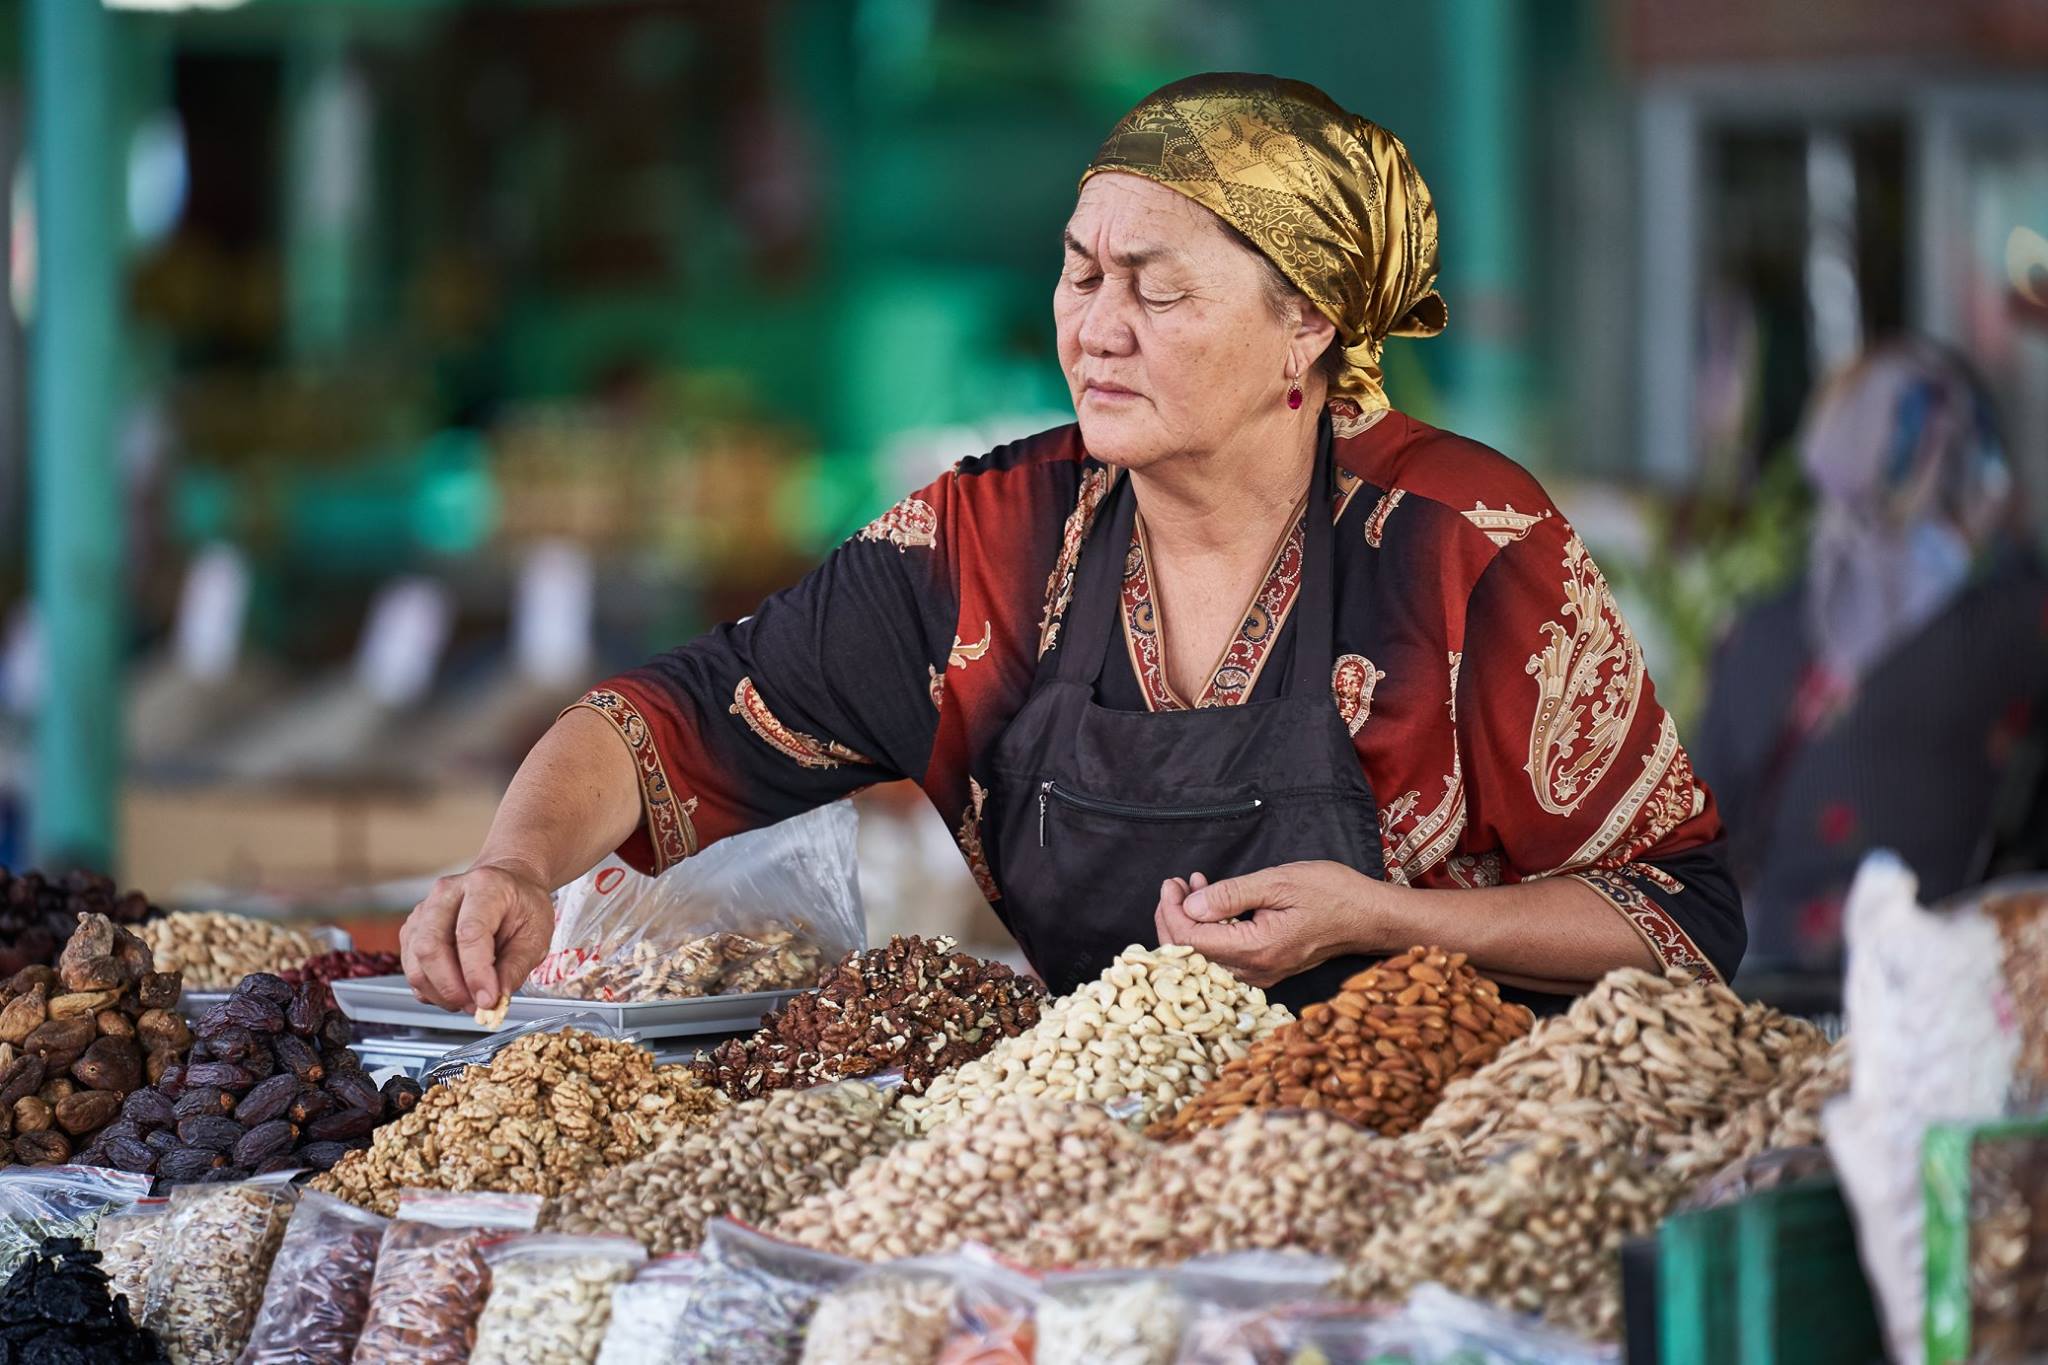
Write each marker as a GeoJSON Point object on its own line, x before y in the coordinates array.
{"type": "Point", "coordinates": [270, 1086]}
{"type": "Point", "coordinates": [38, 912]}
{"type": "Point", "coordinates": [340, 966]}
{"type": "Point", "coordinates": [77, 1039]}
{"type": "Point", "coordinates": [56, 1310]}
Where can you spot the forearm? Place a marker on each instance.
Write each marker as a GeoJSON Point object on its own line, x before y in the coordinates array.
{"type": "Point", "coordinates": [574, 799]}
{"type": "Point", "coordinates": [1550, 933]}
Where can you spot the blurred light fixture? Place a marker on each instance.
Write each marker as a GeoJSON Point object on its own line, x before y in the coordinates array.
{"type": "Point", "coordinates": [159, 178]}
{"type": "Point", "coordinates": [165, 5]}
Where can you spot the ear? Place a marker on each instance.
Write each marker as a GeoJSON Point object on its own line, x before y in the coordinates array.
{"type": "Point", "coordinates": [1311, 335]}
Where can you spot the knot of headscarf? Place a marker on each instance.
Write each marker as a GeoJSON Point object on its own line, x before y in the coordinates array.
{"type": "Point", "coordinates": [1332, 199]}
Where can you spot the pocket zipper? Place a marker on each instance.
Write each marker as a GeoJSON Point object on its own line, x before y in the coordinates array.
{"type": "Point", "coordinates": [1097, 806]}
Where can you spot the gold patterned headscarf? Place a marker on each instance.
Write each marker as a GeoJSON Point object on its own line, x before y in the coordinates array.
{"type": "Point", "coordinates": [1329, 197]}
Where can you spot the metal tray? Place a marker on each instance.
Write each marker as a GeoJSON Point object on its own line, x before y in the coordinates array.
{"type": "Point", "coordinates": [389, 1000]}
{"type": "Point", "coordinates": [415, 1050]}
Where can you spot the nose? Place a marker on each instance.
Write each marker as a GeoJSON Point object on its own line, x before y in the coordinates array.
{"type": "Point", "coordinates": [1105, 328]}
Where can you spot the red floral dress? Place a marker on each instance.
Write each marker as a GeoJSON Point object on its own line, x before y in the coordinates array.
{"type": "Point", "coordinates": [1499, 706]}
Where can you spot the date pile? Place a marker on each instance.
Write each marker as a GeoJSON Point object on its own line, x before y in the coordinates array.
{"type": "Point", "coordinates": [761, 1158]}
{"type": "Point", "coordinates": [352, 965]}
{"type": "Point", "coordinates": [1378, 1053]}
{"type": "Point", "coordinates": [914, 1004]}
{"type": "Point", "coordinates": [544, 1115]}
{"type": "Point", "coordinates": [38, 913]}
{"type": "Point", "coordinates": [79, 1038]}
{"type": "Point", "coordinates": [1153, 1029]}
{"type": "Point", "coordinates": [270, 1086]}
{"type": "Point", "coordinates": [56, 1309]}
{"type": "Point", "coordinates": [215, 949]}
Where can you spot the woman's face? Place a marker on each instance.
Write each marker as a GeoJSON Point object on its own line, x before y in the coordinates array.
{"type": "Point", "coordinates": [1167, 337]}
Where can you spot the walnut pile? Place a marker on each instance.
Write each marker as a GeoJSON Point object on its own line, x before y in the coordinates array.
{"type": "Point", "coordinates": [913, 1004]}
{"type": "Point", "coordinates": [545, 1115]}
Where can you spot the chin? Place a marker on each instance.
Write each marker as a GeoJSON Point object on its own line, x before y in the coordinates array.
{"type": "Point", "coordinates": [1121, 442]}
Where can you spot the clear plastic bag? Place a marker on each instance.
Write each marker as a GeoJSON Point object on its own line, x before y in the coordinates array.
{"type": "Point", "coordinates": [961, 1308]}
{"type": "Point", "coordinates": [647, 1313]}
{"type": "Point", "coordinates": [995, 1312]}
{"type": "Point", "coordinates": [1111, 1317]}
{"type": "Point", "coordinates": [752, 1298]}
{"type": "Point", "coordinates": [551, 1297]}
{"type": "Point", "coordinates": [457, 1060]}
{"type": "Point", "coordinates": [771, 909]}
{"type": "Point", "coordinates": [1232, 1302]}
{"type": "Point", "coordinates": [207, 1283]}
{"type": "Point", "coordinates": [319, 1290]}
{"type": "Point", "coordinates": [127, 1241]}
{"type": "Point", "coordinates": [431, 1279]}
{"type": "Point", "coordinates": [1438, 1327]}
{"type": "Point", "coordinates": [1753, 1175]}
{"type": "Point", "coordinates": [58, 1201]}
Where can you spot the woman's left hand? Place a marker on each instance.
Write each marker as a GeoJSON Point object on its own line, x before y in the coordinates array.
{"type": "Point", "coordinates": [1267, 926]}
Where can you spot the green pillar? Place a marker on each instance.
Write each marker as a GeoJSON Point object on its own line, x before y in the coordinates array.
{"type": "Point", "coordinates": [326, 170]}
{"type": "Point", "coordinates": [1487, 218]}
{"type": "Point", "coordinates": [74, 395]}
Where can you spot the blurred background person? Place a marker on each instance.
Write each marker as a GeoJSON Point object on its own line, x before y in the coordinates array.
{"type": "Point", "coordinates": [1888, 697]}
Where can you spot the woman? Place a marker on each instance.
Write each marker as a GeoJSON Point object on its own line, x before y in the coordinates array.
{"type": "Point", "coordinates": [1243, 659]}
{"type": "Point", "coordinates": [1888, 696]}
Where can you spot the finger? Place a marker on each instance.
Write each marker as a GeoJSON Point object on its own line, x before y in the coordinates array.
{"type": "Point", "coordinates": [1235, 896]}
{"type": "Point", "coordinates": [1198, 881]}
{"type": "Point", "coordinates": [476, 944]}
{"type": "Point", "coordinates": [522, 942]}
{"type": "Point", "coordinates": [426, 948]}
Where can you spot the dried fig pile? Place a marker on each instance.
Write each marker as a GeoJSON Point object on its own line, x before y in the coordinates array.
{"type": "Point", "coordinates": [77, 1039]}
{"type": "Point", "coordinates": [38, 913]}
{"type": "Point", "coordinates": [270, 1086]}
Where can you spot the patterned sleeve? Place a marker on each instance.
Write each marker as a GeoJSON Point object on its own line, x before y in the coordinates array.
{"type": "Point", "coordinates": [1571, 765]}
{"type": "Point", "coordinates": [826, 689]}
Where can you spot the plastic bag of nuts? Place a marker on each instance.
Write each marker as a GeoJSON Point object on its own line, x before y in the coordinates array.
{"type": "Point", "coordinates": [127, 1241]}
{"type": "Point", "coordinates": [551, 1297]}
{"type": "Point", "coordinates": [752, 1298]}
{"type": "Point", "coordinates": [1109, 1317]}
{"type": "Point", "coordinates": [1379, 1052]}
{"type": "Point", "coordinates": [758, 1161]}
{"type": "Point", "coordinates": [57, 1201]}
{"type": "Point", "coordinates": [647, 1313]}
{"type": "Point", "coordinates": [431, 1278]}
{"type": "Point", "coordinates": [319, 1289]}
{"type": "Point", "coordinates": [207, 1282]}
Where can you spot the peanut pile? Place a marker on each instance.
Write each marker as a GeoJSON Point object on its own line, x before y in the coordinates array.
{"type": "Point", "coordinates": [1378, 1053]}
{"type": "Point", "coordinates": [1153, 1029]}
{"type": "Point", "coordinates": [543, 1116]}
{"type": "Point", "coordinates": [1538, 1232]}
{"type": "Point", "coordinates": [1020, 1163]}
{"type": "Point", "coordinates": [216, 949]}
{"type": "Point", "coordinates": [1644, 1064]}
{"type": "Point", "coordinates": [757, 1161]}
{"type": "Point", "coordinates": [1303, 1180]}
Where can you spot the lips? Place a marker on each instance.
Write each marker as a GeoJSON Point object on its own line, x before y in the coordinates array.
{"type": "Point", "coordinates": [1104, 389]}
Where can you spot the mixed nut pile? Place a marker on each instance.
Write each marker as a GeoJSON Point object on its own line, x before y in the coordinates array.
{"type": "Point", "coordinates": [914, 1005]}
{"type": "Point", "coordinates": [1378, 1053]}
{"type": "Point", "coordinates": [215, 949]}
{"type": "Point", "coordinates": [77, 1041]}
{"type": "Point", "coordinates": [721, 963]}
{"type": "Point", "coordinates": [545, 1115]}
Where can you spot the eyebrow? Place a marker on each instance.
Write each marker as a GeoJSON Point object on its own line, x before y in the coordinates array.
{"type": "Point", "coordinates": [1129, 260]}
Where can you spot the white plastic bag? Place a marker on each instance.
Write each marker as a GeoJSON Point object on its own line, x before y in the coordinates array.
{"type": "Point", "coordinates": [771, 909]}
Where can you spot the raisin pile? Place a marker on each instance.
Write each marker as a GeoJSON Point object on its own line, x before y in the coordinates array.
{"type": "Point", "coordinates": [271, 1086]}
{"type": "Point", "coordinates": [343, 966]}
{"type": "Point", "coordinates": [56, 1310]}
{"type": "Point", "coordinates": [39, 911]}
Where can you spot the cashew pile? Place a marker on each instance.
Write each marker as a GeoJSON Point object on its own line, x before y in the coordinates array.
{"type": "Point", "coordinates": [1019, 1163]}
{"type": "Point", "coordinates": [1154, 1028]}
{"type": "Point", "coordinates": [1302, 1180]}
{"type": "Point", "coordinates": [550, 1305]}
{"type": "Point", "coordinates": [216, 949]}
{"type": "Point", "coordinates": [1379, 1052]}
{"type": "Point", "coordinates": [1642, 1064]}
{"type": "Point", "coordinates": [1538, 1232]}
{"type": "Point", "coordinates": [758, 1160]}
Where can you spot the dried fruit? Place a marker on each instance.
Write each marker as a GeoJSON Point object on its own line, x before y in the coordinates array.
{"type": "Point", "coordinates": [110, 1064]}
{"type": "Point", "coordinates": [309, 1104]}
{"type": "Point", "coordinates": [264, 1141]}
{"type": "Point", "coordinates": [87, 1111]}
{"type": "Point", "coordinates": [160, 990]}
{"type": "Point", "coordinates": [81, 1002]}
{"type": "Point", "coordinates": [353, 1090]}
{"type": "Point", "coordinates": [400, 1094]}
{"type": "Point", "coordinates": [45, 1148]}
{"type": "Point", "coordinates": [23, 1015]}
{"type": "Point", "coordinates": [217, 1134]}
{"type": "Point", "coordinates": [268, 1100]}
{"type": "Point", "coordinates": [114, 1024]}
{"type": "Point", "coordinates": [58, 1310]}
{"type": "Point", "coordinates": [226, 1075]}
{"type": "Point", "coordinates": [56, 1089]}
{"type": "Point", "coordinates": [298, 1057]}
{"type": "Point", "coordinates": [67, 1038]}
{"type": "Point", "coordinates": [163, 1062]}
{"type": "Point", "coordinates": [150, 1108]}
{"type": "Point", "coordinates": [349, 1123]}
{"type": "Point", "coordinates": [203, 1100]}
{"type": "Point", "coordinates": [24, 1077]}
{"type": "Point", "coordinates": [126, 1154]}
{"type": "Point", "coordinates": [160, 1028]}
{"type": "Point", "coordinates": [188, 1163]}
{"type": "Point", "coordinates": [32, 1115]}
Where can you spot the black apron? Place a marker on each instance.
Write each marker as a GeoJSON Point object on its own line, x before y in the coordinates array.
{"type": "Point", "coordinates": [1094, 808]}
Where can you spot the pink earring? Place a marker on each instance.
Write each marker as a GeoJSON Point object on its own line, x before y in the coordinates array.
{"type": "Point", "coordinates": [1293, 390]}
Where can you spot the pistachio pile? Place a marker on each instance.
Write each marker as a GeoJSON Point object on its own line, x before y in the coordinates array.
{"type": "Point", "coordinates": [78, 1039]}
{"type": "Point", "coordinates": [913, 1005]}
{"type": "Point", "coordinates": [1021, 1162]}
{"type": "Point", "coordinates": [1641, 1063]}
{"type": "Point", "coordinates": [546, 1114]}
{"type": "Point", "coordinates": [216, 949]}
{"type": "Point", "coordinates": [758, 1160]}
{"type": "Point", "coordinates": [1154, 1028]}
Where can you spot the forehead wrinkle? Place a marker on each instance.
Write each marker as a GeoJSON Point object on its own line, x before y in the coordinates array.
{"type": "Point", "coordinates": [1134, 258]}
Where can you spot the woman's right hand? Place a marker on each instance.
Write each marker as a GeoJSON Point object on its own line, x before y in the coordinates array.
{"type": "Point", "coordinates": [476, 936]}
